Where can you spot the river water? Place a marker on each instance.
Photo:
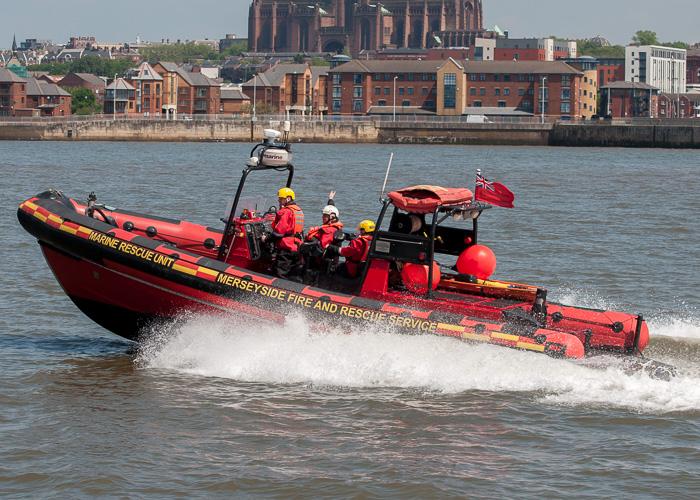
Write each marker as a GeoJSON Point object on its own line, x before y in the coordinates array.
{"type": "Point", "coordinates": [214, 408]}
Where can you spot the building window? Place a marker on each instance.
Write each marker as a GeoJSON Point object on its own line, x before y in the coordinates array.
{"type": "Point", "coordinates": [482, 78]}
{"type": "Point", "coordinates": [336, 105]}
{"type": "Point", "coordinates": [566, 107]}
{"type": "Point", "coordinates": [496, 78]}
{"type": "Point", "coordinates": [527, 104]}
{"type": "Point", "coordinates": [506, 91]}
{"type": "Point", "coordinates": [477, 104]}
{"type": "Point", "coordinates": [425, 90]}
{"type": "Point", "coordinates": [201, 93]}
{"type": "Point", "coordinates": [472, 91]}
{"type": "Point", "coordinates": [434, 77]}
{"type": "Point", "coordinates": [433, 91]}
{"type": "Point", "coordinates": [565, 80]}
{"type": "Point", "coordinates": [336, 91]}
{"type": "Point", "coordinates": [506, 78]}
{"type": "Point", "coordinates": [357, 92]}
{"type": "Point", "coordinates": [521, 78]}
{"type": "Point", "coordinates": [402, 78]}
{"type": "Point", "coordinates": [521, 91]}
{"type": "Point", "coordinates": [429, 104]}
{"type": "Point", "coordinates": [565, 94]}
{"type": "Point", "coordinates": [496, 91]}
{"type": "Point", "coordinates": [450, 83]}
{"type": "Point", "coordinates": [425, 77]}
{"type": "Point", "coordinates": [401, 90]}
{"type": "Point", "coordinates": [501, 104]}
{"type": "Point", "coordinates": [387, 77]}
{"type": "Point", "coordinates": [357, 79]}
{"type": "Point", "coordinates": [410, 77]}
{"type": "Point", "coordinates": [482, 91]}
{"type": "Point", "coordinates": [357, 105]}
{"type": "Point", "coordinates": [377, 77]}
{"type": "Point", "coordinates": [377, 91]}
{"type": "Point", "coordinates": [405, 103]}
{"type": "Point", "coordinates": [472, 78]}
{"type": "Point", "coordinates": [387, 90]}
{"type": "Point", "coordinates": [382, 103]}
{"type": "Point", "coordinates": [410, 90]}
{"type": "Point", "coordinates": [337, 78]}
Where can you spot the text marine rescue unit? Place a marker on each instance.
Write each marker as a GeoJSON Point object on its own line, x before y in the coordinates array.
{"type": "Point", "coordinates": [126, 270]}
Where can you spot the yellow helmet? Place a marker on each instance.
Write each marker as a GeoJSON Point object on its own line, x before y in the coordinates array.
{"type": "Point", "coordinates": [284, 192]}
{"type": "Point", "coordinates": [367, 225]}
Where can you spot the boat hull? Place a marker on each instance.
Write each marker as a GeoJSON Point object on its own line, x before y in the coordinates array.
{"type": "Point", "coordinates": [125, 282]}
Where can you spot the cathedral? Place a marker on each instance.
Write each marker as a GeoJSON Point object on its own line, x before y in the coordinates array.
{"type": "Point", "coordinates": [356, 25]}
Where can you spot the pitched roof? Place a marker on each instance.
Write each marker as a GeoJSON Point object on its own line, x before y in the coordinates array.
{"type": "Point", "coordinates": [629, 85]}
{"type": "Point", "coordinates": [525, 67]}
{"type": "Point", "coordinates": [233, 94]}
{"type": "Point", "coordinates": [36, 87]}
{"type": "Point", "coordinates": [192, 79]}
{"type": "Point", "coordinates": [276, 75]}
{"type": "Point", "coordinates": [486, 67]}
{"type": "Point", "coordinates": [120, 84]}
{"type": "Point", "coordinates": [144, 72]}
{"type": "Point", "coordinates": [7, 76]}
{"type": "Point", "coordinates": [358, 66]}
{"type": "Point", "coordinates": [94, 80]}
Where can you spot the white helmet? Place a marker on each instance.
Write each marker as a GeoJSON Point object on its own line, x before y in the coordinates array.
{"type": "Point", "coordinates": [331, 211]}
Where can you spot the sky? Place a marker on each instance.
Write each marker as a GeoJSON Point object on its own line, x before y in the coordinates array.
{"type": "Point", "coordinates": [616, 20]}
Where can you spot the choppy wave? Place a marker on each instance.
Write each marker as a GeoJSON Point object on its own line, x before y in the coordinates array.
{"type": "Point", "coordinates": [296, 353]}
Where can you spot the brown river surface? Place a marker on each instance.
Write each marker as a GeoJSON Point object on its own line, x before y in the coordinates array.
{"type": "Point", "coordinates": [212, 408]}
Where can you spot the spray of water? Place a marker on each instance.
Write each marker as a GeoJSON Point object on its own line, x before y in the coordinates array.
{"type": "Point", "coordinates": [367, 358]}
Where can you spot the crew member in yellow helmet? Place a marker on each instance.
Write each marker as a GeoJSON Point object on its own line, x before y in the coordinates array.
{"type": "Point", "coordinates": [356, 252]}
{"type": "Point", "coordinates": [287, 230]}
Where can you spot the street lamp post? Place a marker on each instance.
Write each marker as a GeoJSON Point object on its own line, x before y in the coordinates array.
{"type": "Point", "coordinates": [114, 99]}
{"type": "Point", "coordinates": [395, 78]}
{"type": "Point", "coordinates": [542, 101]}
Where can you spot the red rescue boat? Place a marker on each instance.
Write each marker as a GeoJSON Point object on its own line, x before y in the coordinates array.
{"type": "Point", "coordinates": [126, 270]}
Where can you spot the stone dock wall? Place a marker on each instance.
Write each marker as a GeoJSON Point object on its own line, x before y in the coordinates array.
{"type": "Point", "coordinates": [589, 134]}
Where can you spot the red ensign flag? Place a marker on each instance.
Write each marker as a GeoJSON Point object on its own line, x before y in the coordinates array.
{"type": "Point", "coordinates": [493, 192]}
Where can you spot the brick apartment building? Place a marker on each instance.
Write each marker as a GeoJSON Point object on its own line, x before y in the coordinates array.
{"type": "Point", "coordinates": [534, 49]}
{"type": "Point", "coordinates": [29, 97]}
{"type": "Point", "coordinates": [148, 85]}
{"type": "Point", "coordinates": [686, 105]}
{"type": "Point", "coordinates": [86, 81]}
{"type": "Point", "coordinates": [187, 93]}
{"type": "Point", "coordinates": [453, 88]}
{"type": "Point", "coordinates": [629, 100]}
{"type": "Point", "coordinates": [610, 70]}
{"type": "Point", "coordinates": [291, 88]}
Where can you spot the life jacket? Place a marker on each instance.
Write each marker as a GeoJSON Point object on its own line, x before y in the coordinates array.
{"type": "Point", "coordinates": [321, 232]}
{"type": "Point", "coordinates": [298, 219]}
{"type": "Point", "coordinates": [291, 240]}
{"type": "Point", "coordinates": [353, 263]}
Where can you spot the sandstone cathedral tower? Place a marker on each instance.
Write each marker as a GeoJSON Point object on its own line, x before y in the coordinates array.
{"type": "Point", "coordinates": [332, 25]}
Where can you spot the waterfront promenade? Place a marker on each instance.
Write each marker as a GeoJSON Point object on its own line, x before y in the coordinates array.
{"type": "Point", "coordinates": [406, 130]}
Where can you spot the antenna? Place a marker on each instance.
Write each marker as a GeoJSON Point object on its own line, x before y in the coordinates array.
{"type": "Point", "coordinates": [386, 176]}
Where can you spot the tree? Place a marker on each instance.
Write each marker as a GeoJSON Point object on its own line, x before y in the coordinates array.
{"type": "Point", "coordinates": [319, 61]}
{"type": "Point", "coordinates": [299, 59]}
{"type": "Point", "coordinates": [261, 108]}
{"type": "Point", "coordinates": [645, 37]}
{"type": "Point", "coordinates": [179, 52]}
{"type": "Point", "coordinates": [83, 101]}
